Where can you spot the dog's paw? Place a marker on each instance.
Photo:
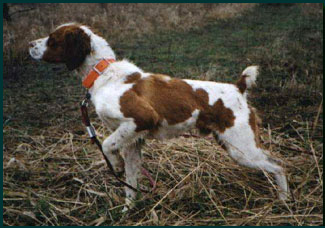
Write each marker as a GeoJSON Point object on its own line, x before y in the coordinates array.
{"type": "Point", "coordinates": [125, 209]}
{"type": "Point", "coordinates": [129, 205]}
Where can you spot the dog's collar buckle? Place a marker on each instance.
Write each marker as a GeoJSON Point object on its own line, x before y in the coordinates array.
{"type": "Point", "coordinates": [96, 71]}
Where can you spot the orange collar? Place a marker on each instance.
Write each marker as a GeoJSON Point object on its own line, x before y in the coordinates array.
{"type": "Point", "coordinates": [95, 72]}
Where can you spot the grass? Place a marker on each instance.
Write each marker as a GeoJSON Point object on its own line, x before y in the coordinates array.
{"type": "Point", "coordinates": [118, 21]}
{"type": "Point", "coordinates": [54, 176]}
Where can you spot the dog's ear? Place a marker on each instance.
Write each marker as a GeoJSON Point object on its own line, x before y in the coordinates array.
{"type": "Point", "coordinates": [77, 47]}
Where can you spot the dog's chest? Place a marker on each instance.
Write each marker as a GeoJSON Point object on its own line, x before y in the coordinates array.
{"type": "Point", "coordinates": [107, 104]}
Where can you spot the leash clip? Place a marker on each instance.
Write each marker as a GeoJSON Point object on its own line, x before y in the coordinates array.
{"type": "Point", "coordinates": [85, 102]}
{"type": "Point", "coordinates": [91, 131]}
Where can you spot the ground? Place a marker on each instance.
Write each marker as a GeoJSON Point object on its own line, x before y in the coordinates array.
{"type": "Point", "coordinates": [54, 176]}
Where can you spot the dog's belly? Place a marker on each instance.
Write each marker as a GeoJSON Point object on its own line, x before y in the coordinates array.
{"type": "Point", "coordinates": [166, 131]}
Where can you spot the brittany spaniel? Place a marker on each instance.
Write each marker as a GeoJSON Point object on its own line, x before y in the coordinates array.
{"type": "Point", "coordinates": [135, 104]}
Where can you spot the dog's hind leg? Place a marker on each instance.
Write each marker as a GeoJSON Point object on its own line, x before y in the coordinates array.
{"type": "Point", "coordinates": [240, 143]}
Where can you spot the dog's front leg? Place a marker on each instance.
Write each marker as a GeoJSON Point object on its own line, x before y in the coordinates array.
{"type": "Point", "coordinates": [124, 138]}
{"type": "Point", "coordinates": [132, 160]}
{"type": "Point", "coordinates": [124, 135]}
{"type": "Point", "coordinates": [113, 156]}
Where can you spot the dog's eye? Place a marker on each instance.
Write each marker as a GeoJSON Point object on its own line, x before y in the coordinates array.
{"type": "Point", "coordinates": [51, 42]}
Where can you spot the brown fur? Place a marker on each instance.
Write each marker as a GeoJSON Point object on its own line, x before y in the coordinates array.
{"type": "Point", "coordinates": [154, 98]}
{"type": "Point", "coordinates": [216, 117]}
{"type": "Point", "coordinates": [241, 83]}
{"type": "Point", "coordinates": [68, 44]}
{"type": "Point", "coordinates": [254, 122]}
{"type": "Point", "coordinates": [132, 78]}
{"type": "Point", "coordinates": [133, 106]}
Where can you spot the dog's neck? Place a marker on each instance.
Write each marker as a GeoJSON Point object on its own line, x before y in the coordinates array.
{"type": "Point", "coordinates": [100, 49]}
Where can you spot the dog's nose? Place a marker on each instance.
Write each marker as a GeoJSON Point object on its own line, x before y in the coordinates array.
{"type": "Point", "coordinates": [32, 44]}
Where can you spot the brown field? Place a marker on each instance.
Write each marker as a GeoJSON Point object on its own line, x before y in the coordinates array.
{"type": "Point", "coordinates": [54, 176]}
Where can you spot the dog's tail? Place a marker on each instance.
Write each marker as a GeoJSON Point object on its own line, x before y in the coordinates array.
{"type": "Point", "coordinates": [247, 78]}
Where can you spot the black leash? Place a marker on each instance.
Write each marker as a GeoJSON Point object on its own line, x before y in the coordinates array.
{"type": "Point", "coordinates": [94, 139]}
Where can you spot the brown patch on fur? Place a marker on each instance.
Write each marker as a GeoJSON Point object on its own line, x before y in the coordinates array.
{"type": "Point", "coordinates": [153, 99]}
{"type": "Point", "coordinates": [254, 122]}
{"type": "Point", "coordinates": [216, 117]}
{"type": "Point", "coordinates": [68, 44]}
{"type": "Point", "coordinates": [132, 78]}
{"type": "Point", "coordinates": [241, 83]}
{"type": "Point", "coordinates": [136, 107]}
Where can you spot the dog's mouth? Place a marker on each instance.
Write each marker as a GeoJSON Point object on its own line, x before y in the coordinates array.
{"type": "Point", "coordinates": [34, 54]}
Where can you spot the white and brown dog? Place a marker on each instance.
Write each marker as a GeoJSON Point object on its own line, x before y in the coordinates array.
{"type": "Point", "coordinates": [135, 104]}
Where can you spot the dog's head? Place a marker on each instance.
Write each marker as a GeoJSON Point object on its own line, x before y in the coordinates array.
{"type": "Point", "coordinates": [68, 44]}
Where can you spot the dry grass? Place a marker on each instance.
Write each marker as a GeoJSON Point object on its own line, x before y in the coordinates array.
{"type": "Point", "coordinates": [58, 178]}
{"type": "Point", "coordinates": [314, 9]}
{"type": "Point", "coordinates": [116, 21]}
{"type": "Point", "coordinates": [54, 176]}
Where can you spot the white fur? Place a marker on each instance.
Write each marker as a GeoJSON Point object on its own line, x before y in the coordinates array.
{"type": "Point", "coordinates": [100, 49]}
{"type": "Point", "coordinates": [167, 131]}
{"type": "Point", "coordinates": [238, 139]}
{"type": "Point", "coordinates": [37, 48]}
{"type": "Point", "coordinates": [110, 86]}
{"type": "Point", "coordinates": [251, 72]}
